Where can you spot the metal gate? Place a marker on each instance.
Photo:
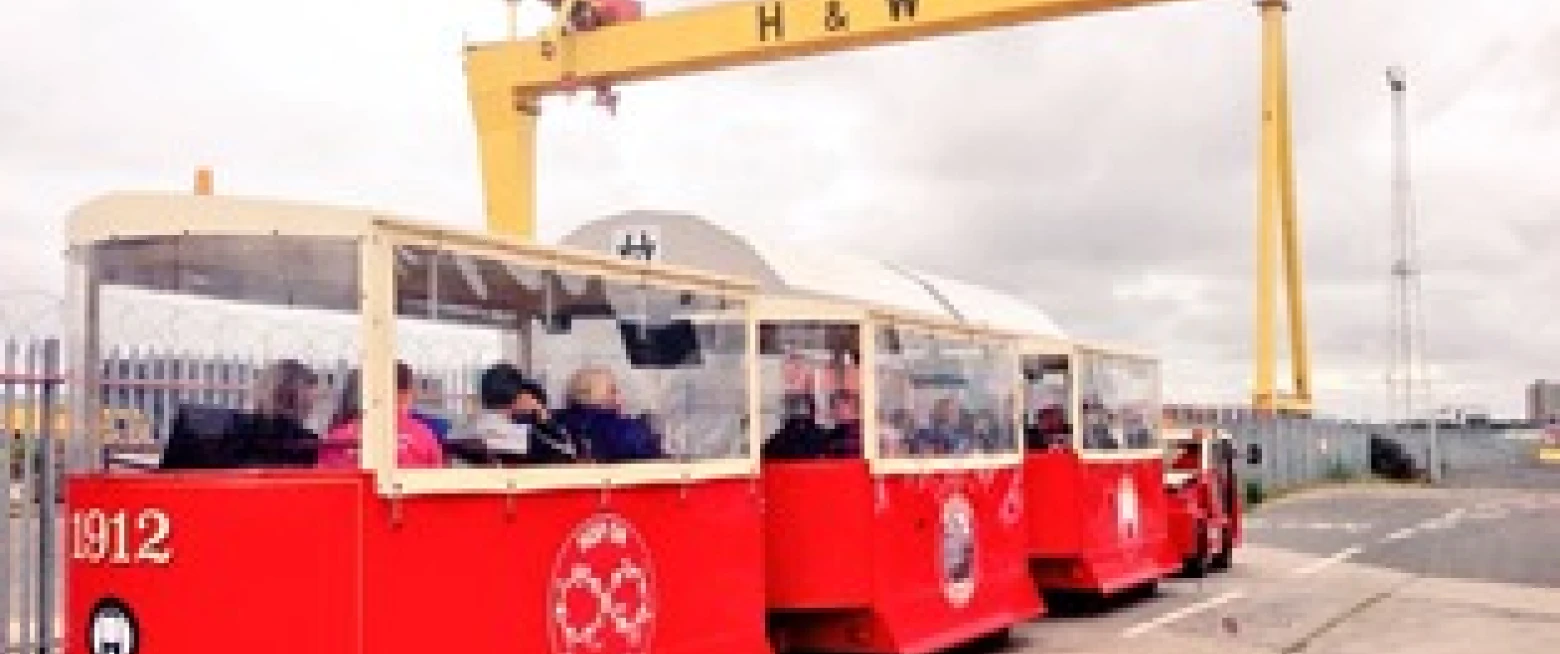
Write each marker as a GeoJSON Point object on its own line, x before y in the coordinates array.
{"type": "Point", "coordinates": [32, 419]}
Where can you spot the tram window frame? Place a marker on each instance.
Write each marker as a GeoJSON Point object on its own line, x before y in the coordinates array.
{"type": "Point", "coordinates": [826, 351]}
{"type": "Point", "coordinates": [887, 341]}
{"type": "Point", "coordinates": [1038, 365]}
{"type": "Point", "coordinates": [1093, 369]}
{"type": "Point", "coordinates": [265, 281]}
{"type": "Point", "coordinates": [730, 308]}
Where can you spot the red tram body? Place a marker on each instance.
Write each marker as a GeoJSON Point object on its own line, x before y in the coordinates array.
{"type": "Point", "coordinates": [856, 563]}
{"type": "Point", "coordinates": [319, 562]}
{"type": "Point", "coordinates": [1105, 525]}
{"type": "Point", "coordinates": [960, 476]}
{"type": "Point", "coordinates": [1205, 504]}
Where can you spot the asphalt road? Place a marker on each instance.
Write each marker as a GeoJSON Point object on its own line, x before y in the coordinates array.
{"type": "Point", "coordinates": [1471, 567]}
{"type": "Point", "coordinates": [1509, 535]}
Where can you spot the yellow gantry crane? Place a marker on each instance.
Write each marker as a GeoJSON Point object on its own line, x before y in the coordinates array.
{"type": "Point", "coordinates": [597, 44]}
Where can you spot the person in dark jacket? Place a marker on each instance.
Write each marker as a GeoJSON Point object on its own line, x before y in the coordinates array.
{"type": "Point", "coordinates": [844, 438]}
{"type": "Point", "coordinates": [514, 425]}
{"type": "Point", "coordinates": [799, 436]}
{"type": "Point", "coordinates": [594, 413]}
{"type": "Point", "coordinates": [276, 433]}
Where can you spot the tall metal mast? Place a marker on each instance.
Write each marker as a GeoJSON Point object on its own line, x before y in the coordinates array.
{"type": "Point", "coordinates": [1406, 379]}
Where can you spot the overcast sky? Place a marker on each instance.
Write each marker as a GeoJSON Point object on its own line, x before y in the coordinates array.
{"type": "Point", "coordinates": [1103, 167]}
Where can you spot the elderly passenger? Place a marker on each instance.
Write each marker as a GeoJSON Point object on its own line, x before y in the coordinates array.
{"type": "Point", "coordinates": [594, 414]}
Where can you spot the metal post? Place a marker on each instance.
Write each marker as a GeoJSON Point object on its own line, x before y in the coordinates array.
{"type": "Point", "coordinates": [7, 431]}
{"type": "Point", "coordinates": [1435, 447]}
{"type": "Point", "coordinates": [48, 561]}
{"type": "Point", "coordinates": [29, 538]}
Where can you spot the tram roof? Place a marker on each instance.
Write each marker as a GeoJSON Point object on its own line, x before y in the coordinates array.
{"type": "Point", "coordinates": [807, 270]}
{"type": "Point", "coordinates": [144, 214]}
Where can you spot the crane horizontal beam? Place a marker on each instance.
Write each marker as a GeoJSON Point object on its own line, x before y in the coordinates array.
{"type": "Point", "coordinates": [740, 33]}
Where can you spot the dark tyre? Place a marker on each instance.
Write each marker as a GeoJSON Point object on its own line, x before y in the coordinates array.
{"type": "Point", "coordinates": [1225, 557]}
{"type": "Point", "coordinates": [1196, 565]}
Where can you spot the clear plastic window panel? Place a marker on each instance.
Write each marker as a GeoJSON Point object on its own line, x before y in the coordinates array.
{"type": "Point", "coordinates": [944, 397]}
{"type": "Point", "coordinates": [1047, 402]}
{"type": "Point", "coordinates": [221, 351]}
{"type": "Point", "coordinates": [810, 390]}
{"type": "Point", "coordinates": [1118, 402]}
{"type": "Point", "coordinates": [518, 364]}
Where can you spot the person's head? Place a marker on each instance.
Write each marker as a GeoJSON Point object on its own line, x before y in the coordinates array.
{"type": "Point", "coordinates": [505, 388]}
{"type": "Point", "coordinates": [595, 387]}
{"type": "Point", "coordinates": [403, 383]}
{"type": "Point", "coordinates": [844, 407]}
{"type": "Point", "coordinates": [798, 406]}
{"type": "Point", "coordinates": [945, 411]}
{"type": "Point", "coordinates": [286, 389]}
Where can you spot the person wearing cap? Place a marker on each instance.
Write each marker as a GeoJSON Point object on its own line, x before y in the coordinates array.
{"type": "Point", "coordinates": [514, 425]}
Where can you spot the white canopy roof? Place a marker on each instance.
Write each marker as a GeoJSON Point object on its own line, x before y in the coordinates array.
{"type": "Point", "coordinates": [806, 269]}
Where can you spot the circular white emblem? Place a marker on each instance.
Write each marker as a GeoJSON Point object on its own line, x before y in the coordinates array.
{"type": "Point", "coordinates": [1127, 513]}
{"type": "Point", "coordinates": [958, 550]}
{"type": "Point", "coordinates": [602, 593]}
{"type": "Point", "coordinates": [112, 629]}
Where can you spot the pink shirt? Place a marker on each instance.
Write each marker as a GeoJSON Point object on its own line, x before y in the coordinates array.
{"type": "Point", "coordinates": [416, 446]}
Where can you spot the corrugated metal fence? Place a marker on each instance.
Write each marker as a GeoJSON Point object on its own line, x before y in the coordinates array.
{"type": "Point", "coordinates": [1285, 453]}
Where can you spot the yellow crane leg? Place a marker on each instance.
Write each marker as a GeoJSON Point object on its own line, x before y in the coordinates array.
{"type": "Point", "coordinates": [506, 136]}
{"type": "Point", "coordinates": [1265, 357]}
{"type": "Point", "coordinates": [1278, 232]}
{"type": "Point", "coordinates": [1289, 229]}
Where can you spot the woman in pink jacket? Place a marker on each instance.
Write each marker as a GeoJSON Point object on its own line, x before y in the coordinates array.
{"type": "Point", "coordinates": [416, 446]}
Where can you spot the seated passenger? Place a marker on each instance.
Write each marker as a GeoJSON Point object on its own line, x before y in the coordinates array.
{"type": "Point", "coordinates": [844, 438]}
{"type": "Point", "coordinates": [514, 425]}
{"type": "Point", "coordinates": [944, 434]}
{"type": "Point", "coordinates": [896, 431]}
{"type": "Point", "coordinates": [987, 436]}
{"type": "Point", "coordinates": [276, 433]}
{"type": "Point", "coordinates": [799, 436]}
{"type": "Point", "coordinates": [1049, 430]}
{"type": "Point", "coordinates": [416, 446]}
{"type": "Point", "coordinates": [1097, 436]}
{"type": "Point", "coordinates": [594, 414]}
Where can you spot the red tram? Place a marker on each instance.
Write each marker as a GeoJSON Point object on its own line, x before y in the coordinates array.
{"type": "Point", "coordinates": [1097, 480]}
{"type": "Point", "coordinates": [665, 460]}
{"type": "Point", "coordinates": [1205, 504]}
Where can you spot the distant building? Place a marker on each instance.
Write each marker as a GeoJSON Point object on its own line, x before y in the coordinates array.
{"type": "Point", "coordinates": [1543, 401]}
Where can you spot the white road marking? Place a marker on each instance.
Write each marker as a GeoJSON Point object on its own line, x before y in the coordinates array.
{"type": "Point", "coordinates": [1322, 564]}
{"type": "Point", "coordinates": [1400, 534]}
{"type": "Point", "coordinates": [1182, 613]}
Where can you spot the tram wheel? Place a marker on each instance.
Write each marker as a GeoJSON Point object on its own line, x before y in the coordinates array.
{"type": "Point", "coordinates": [1197, 565]}
{"type": "Point", "coordinates": [1225, 557]}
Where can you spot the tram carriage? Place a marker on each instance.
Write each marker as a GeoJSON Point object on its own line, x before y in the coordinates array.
{"type": "Point", "coordinates": [247, 550]}
{"type": "Point", "coordinates": [1205, 505]}
{"type": "Point", "coordinates": [1099, 511]}
{"type": "Point", "coordinates": [909, 536]}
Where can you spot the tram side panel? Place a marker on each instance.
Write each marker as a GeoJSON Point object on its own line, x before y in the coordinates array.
{"type": "Point", "coordinates": [819, 535]}
{"type": "Point", "coordinates": [1119, 521]}
{"type": "Point", "coordinates": [946, 561]}
{"type": "Point", "coordinates": [1053, 507]}
{"type": "Point", "coordinates": [186, 563]}
{"type": "Point", "coordinates": [964, 575]}
{"type": "Point", "coordinates": [663, 568]}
